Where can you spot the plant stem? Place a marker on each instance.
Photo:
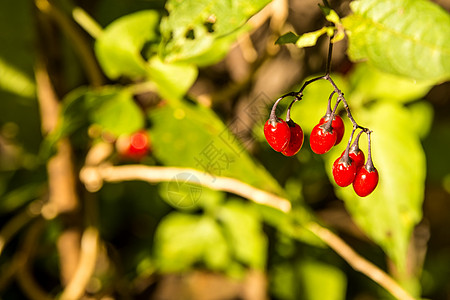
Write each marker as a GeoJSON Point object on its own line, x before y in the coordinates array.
{"type": "Point", "coordinates": [369, 164]}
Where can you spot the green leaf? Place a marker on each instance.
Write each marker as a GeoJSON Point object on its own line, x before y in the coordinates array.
{"type": "Point", "coordinates": [317, 275]}
{"type": "Point", "coordinates": [112, 108]}
{"type": "Point", "coordinates": [119, 48]}
{"type": "Point", "coordinates": [197, 27]}
{"type": "Point", "coordinates": [189, 135]}
{"type": "Point", "coordinates": [287, 38]}
{"type": "Point", "coordinates": [115, 111]}
{"type": "Point", "coordinates": [400, 160]}
{"type": "Point", "coordinates": [173, 80]}
{"type": "Point", "coordinates": [403, 37]}
{"type": "Point", "coordinates": [181, 240]}
{"type": "Point", "coordinates": [310, 38]}
{"type": "Point", "coordinates": [244, 231]}
{"type": "Point", "coordinates": [368, 83]}
{"type": "Point", "coordinates": [330, 15]}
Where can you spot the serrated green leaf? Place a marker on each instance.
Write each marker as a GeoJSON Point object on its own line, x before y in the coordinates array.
{"type": "Point", "coordinates": [403, 37]}
{"type": "Point", "coordinates": [400, 160]}
{"type": "Point", "coordinates": [195, 27]}
{"type": "Point", "coordinates": [244, 230]}
{"type": "Point", "coordinates": [181, 240]}
{"type": "Point", "coordinates": [119, 47]}
{"type": "Point", "coordinates": [190, 135]}
{"type": "Point", "coordinates": [287, 38]}
{"type": "Point", "coordinates": [309, 39]}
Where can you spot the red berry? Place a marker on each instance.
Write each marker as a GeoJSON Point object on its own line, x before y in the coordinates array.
{"type": "Point", "coordinates": [277, 134]}
{"type": "Point", "coordinates": [337, 125]}
{"type": "Point", "coordinates": [365, 181]}
{"type": "Point", "coordinates": [296, 139]}
{"type": "Point", "coordinates": [358, 158]}
{"type": "Point", "coordinates": [322, 140]}
{"type": "Point", "coordinates": [344, 172]}
{"type": "Point", "coordinates": [135, 146]}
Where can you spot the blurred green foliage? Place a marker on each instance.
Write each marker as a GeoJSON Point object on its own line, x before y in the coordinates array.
{"type": "Point", "coordinates": [159, 49]}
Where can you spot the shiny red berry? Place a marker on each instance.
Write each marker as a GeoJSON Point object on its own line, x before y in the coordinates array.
{"type": "Point", "coordinates": [337, 124]}
{"type": "Point", "coordinates": [357, 156]}
{"type": "Point", "coordinates": [277, 134]}
{"type": "Point", "coordinates": [296, 139]}
{"type": "Point", "coordinates": [322, 139]}
{"type": "Point", "coordinates": [365, 181]}
{"type": "Point", "coordinates": [135, 146]}
{"type": "Point", "coordinates": [344, 171]}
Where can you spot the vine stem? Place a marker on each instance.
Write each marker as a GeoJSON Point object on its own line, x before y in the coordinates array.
{"type": "Point", "coordinates": [92, 175]}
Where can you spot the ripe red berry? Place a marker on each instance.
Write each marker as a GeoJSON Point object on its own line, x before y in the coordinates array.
{"type": "Point", "coordinates": [365, 181]}
{"type": "Point", "coordinates": [321, 139]}
{"type": "Point", "coordinates": [357, 156]}
{"type": "Point", "coordinates": [135, 146]}
{"type": "Point", "coordinates": [344, 171]}
{"type": "Point", "coordinates": [337, 124]}
{"type": "Point", "coordinates": [277, 134]}
{"type": "Point", "coordinates": [296, 139]}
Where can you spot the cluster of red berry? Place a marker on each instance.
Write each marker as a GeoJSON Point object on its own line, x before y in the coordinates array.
{"type": "Point", "coordinates": [287, 137]}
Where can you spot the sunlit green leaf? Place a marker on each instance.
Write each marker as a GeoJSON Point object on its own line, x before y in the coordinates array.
{"type": "Point", "coordinates": [195, 27]}
{"type": "Point", "coordinates": [15, 81]}
{"type": "Point", "coordinates": [172, 79]}
{"type": "Point", "coordinates": [310, 38]}
{"type": "Point", "coordinates": [403, 37]}
{"type": "Point", "coordinates": [330, 14]}
{"type": "Point", "coordinates": [182, 240]}
{"type": "Point", "coordinates": [317, 275]}
{"type": "Point", "coordinates": [369, 83]}
{"type": "Point", "coordinates": [244, 230]}
{"type": "Point", "coordinates": [115, 111]}
{"type": "Point", "coordinates": [119, 48]}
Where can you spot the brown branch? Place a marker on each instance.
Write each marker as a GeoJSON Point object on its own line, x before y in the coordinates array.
{"type": "Point", "coordinates": [86, 265]}
{"type": "Point", "coordinates": [92, 174]}
{"type": "Point", "coordinates": [61, 174]}
{"type": "Point", "coordinates": [159, 174]}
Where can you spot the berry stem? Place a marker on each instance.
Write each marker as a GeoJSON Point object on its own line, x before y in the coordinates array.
{"type": "Point", "coordinates": [330, 51]}
{"type": "Point", "coordinates": [355, 145]}
{"type": "Point", "coordinates": [346, 157]}
{"type": "Point", "coordinates": [369, 164]}
{"type": "Point", "coordinates": [329, 103]}
{"type": "Point", "coordinates": [273, 115]}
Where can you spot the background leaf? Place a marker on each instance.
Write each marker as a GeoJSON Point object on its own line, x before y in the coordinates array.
{"type": "Point", "coordinates": [119, 48]}
{"type": "Point", "coordinates": [403, 37]}
{"type": "Point", "coordinates": [195, 29]}
{"type": "Point", "coordinates": [182, 240]}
